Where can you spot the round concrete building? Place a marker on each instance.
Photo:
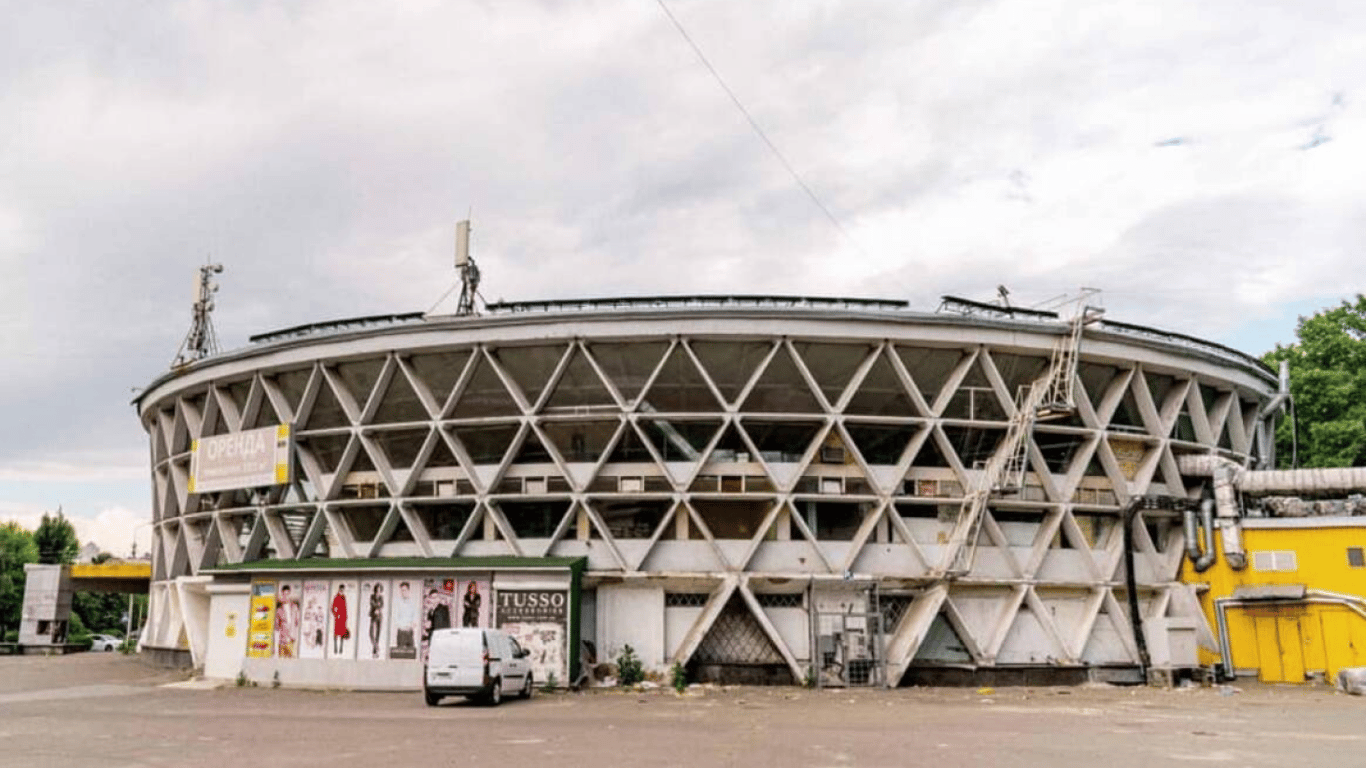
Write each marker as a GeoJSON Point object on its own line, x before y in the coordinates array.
{"type": "Point", "coordinates": [761, 489]}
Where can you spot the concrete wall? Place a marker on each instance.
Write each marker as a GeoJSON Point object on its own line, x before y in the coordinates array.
{"type": "Point", "coordinates": [633, 615]}
{"type": "Point", "coordinates": [228, 622]}
{"type": "Point", "coordinates": [47, 605]}
{"type": "Point", "coordinates": [342, 674]}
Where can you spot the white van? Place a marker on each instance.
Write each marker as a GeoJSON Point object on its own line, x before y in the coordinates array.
{"type": "Point", "coordinates": [476, 663]}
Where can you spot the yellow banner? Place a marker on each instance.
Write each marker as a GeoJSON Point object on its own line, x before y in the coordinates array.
{"type": "Point", "coordinates": [261, 632]}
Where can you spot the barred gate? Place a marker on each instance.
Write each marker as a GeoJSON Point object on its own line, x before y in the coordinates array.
{"type": "Point", "coordinates": [850, 646]}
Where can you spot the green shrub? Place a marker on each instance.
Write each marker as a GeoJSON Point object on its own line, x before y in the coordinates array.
{"type": "Point", "coordinates": [680, 677]}
{"type": "Point", "coordinates": [550, 684]}
{"type": "Point", "coordinates": [629, 669]}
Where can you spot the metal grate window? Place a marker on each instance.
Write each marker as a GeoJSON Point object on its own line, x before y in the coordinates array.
{"type": "Point", "coordinates": [893, 608]}
{"type": "Point", "coordinates": [685, 599]}
{"type": "Point", "coordinates": [1356, 557]}
{"type": "Point", "coordinates": [785, 600]}
{"type": "Point", "coordinates": [736, 638]}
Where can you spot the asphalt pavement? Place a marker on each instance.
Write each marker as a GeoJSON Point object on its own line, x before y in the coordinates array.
{"type": "Point", "coordinates": [113, 711]}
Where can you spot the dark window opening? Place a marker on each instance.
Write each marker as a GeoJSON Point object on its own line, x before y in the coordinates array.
{"type": "Point", "coordinates": [632, 519]}
{"type": "Point", "coordinates": [444, 521]}
{"type": "Point", "coordinates": [834, 520]}
{"type": "Point", "coordinates": [732, 519]}
{"type": "Point", "coordinates": [533, 519]}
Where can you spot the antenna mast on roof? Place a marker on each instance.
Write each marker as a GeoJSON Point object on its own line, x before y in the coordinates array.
{"type": "Point", "coordinates": [201, 341]}
{"type": "Point", "coordinates": [469, 271]}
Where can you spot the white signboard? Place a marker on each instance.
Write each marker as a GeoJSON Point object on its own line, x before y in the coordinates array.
{"type": "Point", "coordinates": [251, 459]}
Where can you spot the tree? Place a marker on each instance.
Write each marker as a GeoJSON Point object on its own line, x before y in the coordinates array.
{"type": "Point", "coordinates": [1328, 384]}
{"type": "Point", "coordinates": [16, 548]}
{"type": "Point", "coordinates": [100, 611]}
{"type": "Point", "coordinates": [56, 540]}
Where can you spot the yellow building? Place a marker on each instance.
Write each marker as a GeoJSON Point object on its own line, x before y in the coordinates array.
{"type": "Point", "coordinates": [1298, 610]}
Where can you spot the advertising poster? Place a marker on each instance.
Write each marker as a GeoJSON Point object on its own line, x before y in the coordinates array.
{"type": "Point", "coordinates": [313, 631]}
{"type": "Point", "coordinates": [405, 618]}
{"type": "Point", "coordinates": [475, 601]}
{"type": "Point", "coordinates": [341, 621]}
{"type": "Point", "coordinates": [374, 628]}
{"type": "Point", "coordinates": [261, 629]}
{"type": "Point", "coordinates": [538, 618]}
{"type": "Point", "coordinates": [288, 617]}
{"type": "Point", "coordinates": [438, 600]}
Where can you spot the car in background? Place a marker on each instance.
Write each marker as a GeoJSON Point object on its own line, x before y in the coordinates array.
{"type": "Point", "coordinates": [476, 663]}
{"type": "Point", "coordinates": [104, 642]}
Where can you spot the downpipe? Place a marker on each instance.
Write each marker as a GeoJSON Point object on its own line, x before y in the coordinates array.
{"type": "Point", "coordinates": [1131, 586]}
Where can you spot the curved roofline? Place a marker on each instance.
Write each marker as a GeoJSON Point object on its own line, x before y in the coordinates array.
{"type": "Point", "coordinates": [536, 312]}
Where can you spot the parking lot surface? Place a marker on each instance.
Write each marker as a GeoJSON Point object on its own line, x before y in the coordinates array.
{"type": "Point", "coordinates": [113, 711]}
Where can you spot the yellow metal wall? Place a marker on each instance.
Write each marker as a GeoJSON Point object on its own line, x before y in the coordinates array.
{"type": "Point", "coordinates": [1285, 643]}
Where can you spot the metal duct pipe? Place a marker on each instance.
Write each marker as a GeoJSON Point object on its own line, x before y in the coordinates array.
{"type": "Point", "coordinates": [1226, 502]}
{"type": "Point", "coordinates": [1200, 531]}
{"type": "Point", "coordinates": [1296, 481]}
{"type": "Point", "coordinates": [1283, 394]}
{"type": "Point", "coordinates": [1290, 481]}
{"type": "Point", "coordinates": [1234, 554]}
{"type": "Point", "coordinates": [1225, 474]}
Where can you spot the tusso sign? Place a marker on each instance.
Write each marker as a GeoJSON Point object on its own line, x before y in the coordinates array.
{"type": "Point", "coordinates": [535, 605]}
{"type": "Point", "coordinates": [240, 460]}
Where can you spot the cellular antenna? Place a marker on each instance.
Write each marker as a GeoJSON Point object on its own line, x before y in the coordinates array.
{"type": "Point", "coordinates": [469, 271]}
{"type": "Point", "coordinates": [201, 341]}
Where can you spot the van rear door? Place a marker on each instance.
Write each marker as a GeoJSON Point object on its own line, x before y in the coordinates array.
{"type": "Point", "coordinates": [456, 659]}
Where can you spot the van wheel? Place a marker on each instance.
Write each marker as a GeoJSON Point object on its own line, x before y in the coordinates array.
{"type": "Point", "coordinates": [527, 686]}
{"type": "Point", "coordinates": [431, 698]}
{"type": "Point", "coordinates": [496, 692]}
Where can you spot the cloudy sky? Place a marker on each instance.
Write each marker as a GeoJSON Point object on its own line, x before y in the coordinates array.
{"type": "Point", "coordinates": [1201, 163]}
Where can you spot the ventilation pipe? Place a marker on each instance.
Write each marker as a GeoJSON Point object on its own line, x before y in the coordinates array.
{"type": "Point", "coordinates": [1286, 481]}
{"type": "Point", "coordinates": [1226, 501]}
{"type": "Point", "coordinates": [1196, 531]}
{"type": "Point", "coordinates": [1225, 474]}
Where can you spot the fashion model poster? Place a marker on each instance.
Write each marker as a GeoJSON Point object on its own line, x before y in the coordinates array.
{"type": "Point", "coordinates": [474, 601]}
{"type": "Point", "coordinates": [374, 620]}
{"type": "Point", "coordinates": [437, 608]}
{"type": "Point", "coordinates": [288, 618]}
{"type": "Point", "coordinates": [538, 618]}
{"type": "Point", "coordinates": [405, 618]}
{"type": "Point", "coordinates": [313, 630]}
{"type": "Point", "coordinates": [341, 621]}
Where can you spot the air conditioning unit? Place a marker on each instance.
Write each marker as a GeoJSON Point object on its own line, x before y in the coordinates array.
{"type": "Point", "coordinates": [832, 485]}
{"type": "Point", "coordinates": [832, 454]}
{"type": "Point", "coordinates": [630, 484]}
{"type": "Point", "coordinates": [535, 486]}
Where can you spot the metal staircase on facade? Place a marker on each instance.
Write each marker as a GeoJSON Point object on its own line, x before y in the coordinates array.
{"type": "Point", "coordinates": [1051, 396]}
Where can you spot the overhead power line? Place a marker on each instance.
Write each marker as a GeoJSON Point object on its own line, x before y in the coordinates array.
{"type": "Point", "coordinates": [757, 128]}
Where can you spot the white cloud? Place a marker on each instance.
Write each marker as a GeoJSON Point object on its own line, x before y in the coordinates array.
{"type": "Point", "coordinates": [322, 151]}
